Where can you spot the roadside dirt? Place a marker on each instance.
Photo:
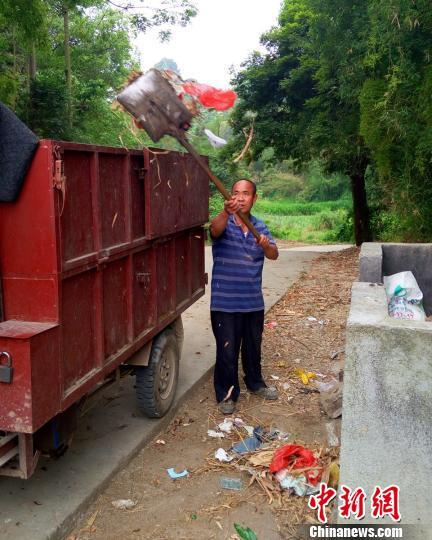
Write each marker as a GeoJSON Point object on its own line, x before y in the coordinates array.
{"type": "Point", "coordinates": [196, 507]}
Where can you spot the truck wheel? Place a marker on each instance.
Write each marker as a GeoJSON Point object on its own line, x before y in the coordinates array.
{"type": "Point", "coordinates": [156, 383]}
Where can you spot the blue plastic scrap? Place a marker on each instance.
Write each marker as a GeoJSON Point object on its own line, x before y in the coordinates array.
{"type": "Point", "coordinates": [174, 475]}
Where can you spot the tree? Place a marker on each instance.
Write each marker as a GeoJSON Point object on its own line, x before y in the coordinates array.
{"type": "Point", "coordinates": [306, 92]}
{"type": "Point", "coordinates": [62, 62]}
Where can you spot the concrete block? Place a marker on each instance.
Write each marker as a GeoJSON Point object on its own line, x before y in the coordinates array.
{"type": "Point", "coordinates": [387, 404]}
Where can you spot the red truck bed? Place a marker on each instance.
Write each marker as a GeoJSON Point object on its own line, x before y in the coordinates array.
{"type": "Point", "coordinates": [102, 250]}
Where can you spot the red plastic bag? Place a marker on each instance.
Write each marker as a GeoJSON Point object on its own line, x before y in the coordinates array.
{"type": "Point", "coordinates": [211, 97]}
{"type": "Point", "coordinates": [292, 456]}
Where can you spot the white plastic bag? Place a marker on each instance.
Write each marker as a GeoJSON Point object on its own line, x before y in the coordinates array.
{"type": "Point", "coordinates": [404, 297]}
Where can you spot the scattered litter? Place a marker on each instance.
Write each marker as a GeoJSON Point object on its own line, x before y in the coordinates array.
{"type": "Point", "coordinates": [312, 319]}
{"type": "Point", "coordinates": [332, 438]}
{"type": "Point", "coordinates": [227, 482]}
{"type": "Point", "coordinates": [215, 141]}
{"type": "Point", "coordinates": [296, 483]}
{"type": "Point", "coordinates": [321, 375]}
{"type": "Point", "coordinates": [297, 360]}
{"type": "Point", "coordinates": [247, 445]}
{"type": "Point", "coordinates": [295, 457]}
{"type": "Point", "coordinates": [271, 324]}
{"type": "Point", "coordinates": [245, 533]}
{"type": "Point", "coordinates": [215, 434]}
{"type": "Point", "coordinates": [304, 376]}
{"type": "Point", "coordinates": [226, 426]}
{"type": "Point", "coordinates": [124, 504]}
{"type": "Point", "coordinates": [238, 422]}
{"type": "Point", "coordinates": [321, 323]}
{"type": "Point", "coordinates": [160, 441]}
{"type": "Point", "coordinates": [334, 473]}
{"type": "Point", "coordinates": [275, 377]}
{"type": "Point", "coordinates": [249, 430]}
{"type": "Point", "coordinates": [331, 397]}
{"type": "Point", "coordinates": [286, 385]}
{"type": "Point", "coordinates": [7, 520]}
{"type": "Point", "coordinates": [222, 455]}
{"type": "Point", "coordinates": [193, 517]}
{"type": "Point", "coordinates": [262, 458]}
{"type": "Point", "coordinates": [404, 297]}
{"type": "Point", "coordinates": [174, 475]}
{"type": "Point", "coordinates": [335, 354]}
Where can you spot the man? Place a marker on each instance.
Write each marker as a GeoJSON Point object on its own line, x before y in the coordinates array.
{"type": "Point", "coordinates": [237, 304]}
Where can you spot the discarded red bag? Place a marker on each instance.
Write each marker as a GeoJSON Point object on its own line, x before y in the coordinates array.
{"type": "Point", "coordinates": [211, 97]}
{"type": "Point", "coordinates": [293, 456]}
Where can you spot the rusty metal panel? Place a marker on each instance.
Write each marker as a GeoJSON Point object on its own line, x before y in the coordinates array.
{"type": "Point", "coordinates": [137, 176]}
{"type": "Point", "coordinates": [77, 209]}
{"type": "Point", "coordinates": [115, 304]}
{"type": "Point", "coordinates": [165, 278]}
{"type": "Point", "coordinates": [144, 291]}
{"type": "Point", "coordinates": [78, 327]}
{"type": "Point", "coordinates": [112, 185]}
{"type": "Point", "coordinates": [25, 403]}
{"type": "Point", "coordinates": [182, 268]}
{"type": "Point", "coordinates": [197, 260]}
{"type": "Point", "coordinates": [177, 193]}
{"type": "Point", "coordinates": [28, 245]}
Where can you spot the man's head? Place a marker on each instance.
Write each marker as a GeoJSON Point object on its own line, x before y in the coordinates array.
{"type": "Point", "coordinates": [244, 191]}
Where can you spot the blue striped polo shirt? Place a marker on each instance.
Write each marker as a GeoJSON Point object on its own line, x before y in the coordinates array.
{"type": "Point", "coordinates": [237, 269]}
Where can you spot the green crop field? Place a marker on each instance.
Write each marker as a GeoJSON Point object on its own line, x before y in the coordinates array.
{"type": "Point", "coordinates": [308, 222]}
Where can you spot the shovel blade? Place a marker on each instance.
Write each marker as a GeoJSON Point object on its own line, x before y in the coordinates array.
{"type": "Point", "coordinates": [153, 102]}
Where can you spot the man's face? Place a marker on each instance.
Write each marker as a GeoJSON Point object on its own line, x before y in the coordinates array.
{"type": "Point", "coordinates": [243, 192]}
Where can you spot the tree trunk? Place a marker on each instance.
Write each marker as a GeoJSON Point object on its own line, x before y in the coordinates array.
{"type": "Point", "coordinates": [68, 70]}
{"type": "Point", "coordinates": [362, 231]}
{"type": "Point", "coordinates": [32, 62]}
{"type": "Point", "coordinates": [31, 77]}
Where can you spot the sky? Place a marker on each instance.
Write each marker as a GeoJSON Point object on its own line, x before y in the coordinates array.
{"type": "Point", "coordinates": [223, 34]}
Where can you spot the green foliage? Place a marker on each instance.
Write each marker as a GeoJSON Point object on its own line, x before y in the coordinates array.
{"type": "Point", "coordinates": [33, 63]}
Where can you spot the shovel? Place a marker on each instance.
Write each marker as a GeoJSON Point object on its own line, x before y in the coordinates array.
{"type": "Point", "coordinates": [152, 101]}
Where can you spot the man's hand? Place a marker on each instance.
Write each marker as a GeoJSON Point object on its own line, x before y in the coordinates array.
{"type": "Point", "coordinates": [270, 250]}
{"type": "Point", "coordinates": [231, 206]}
{"type": "Point", "coordinates": [263, 241]}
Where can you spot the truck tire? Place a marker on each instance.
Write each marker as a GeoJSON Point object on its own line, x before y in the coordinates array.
{"type": "Point", "coordinates": [156, 384]}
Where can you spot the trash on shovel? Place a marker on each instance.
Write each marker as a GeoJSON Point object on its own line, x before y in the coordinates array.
{"type": "Point", "coordinates": [227, 482]}
{"type": "Point", "coordinates": [222, 455]}
{"type": "Point", "coordinates": [174, 475]}
{"type": "Point", "coordinates": [124, 504]}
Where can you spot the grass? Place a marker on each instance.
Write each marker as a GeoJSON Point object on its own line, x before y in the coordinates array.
{"type": "Point", "coordinates": [308, 222]}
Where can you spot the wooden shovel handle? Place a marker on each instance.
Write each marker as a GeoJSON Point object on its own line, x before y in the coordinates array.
{"type": "Point", "coordinates": [181, 137]}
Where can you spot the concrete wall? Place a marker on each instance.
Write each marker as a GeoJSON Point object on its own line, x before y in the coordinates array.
{"type": "Point", "coordinates": [387, 404]}
{"type": "Point", "coordinates": [378, 260]}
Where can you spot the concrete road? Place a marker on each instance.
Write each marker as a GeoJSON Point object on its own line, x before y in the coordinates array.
{"type": "Point", "coordinates": [111, 433]}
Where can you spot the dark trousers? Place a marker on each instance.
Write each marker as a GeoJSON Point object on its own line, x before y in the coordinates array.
{"type": "Point", "coordinates": [235, 331]}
